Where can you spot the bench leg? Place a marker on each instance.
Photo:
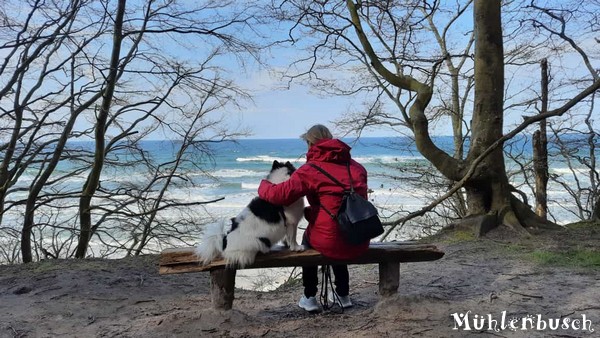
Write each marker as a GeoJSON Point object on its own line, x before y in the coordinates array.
{"type": "Point", "coordinates": [389, 278]}
{"type": "Point", "coordinates": [222, 283]}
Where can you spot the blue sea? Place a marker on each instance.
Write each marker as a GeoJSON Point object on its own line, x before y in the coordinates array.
{"type": "Point", "coordinates": [234, 170]}
{"type": "Point", "coordinates": [240, 165]}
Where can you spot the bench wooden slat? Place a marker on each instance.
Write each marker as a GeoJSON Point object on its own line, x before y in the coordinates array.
{"type": "Point", "coordinates": [184, 260]}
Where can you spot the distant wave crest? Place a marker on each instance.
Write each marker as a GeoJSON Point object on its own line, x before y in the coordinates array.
{"type": "Point", "coordinates": [233, 173]}
{"type": "Point", "coordinates": [361, 159]}
{"type": "Point", "coordinates": [386, 159]}
{"type": "Point", "coordinates": [250, 186]}
{"type": "Point", "coordinates": [267, 158]}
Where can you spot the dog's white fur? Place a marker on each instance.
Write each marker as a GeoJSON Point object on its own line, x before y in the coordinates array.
{"type": "Point", "coordinates": [243, 242]}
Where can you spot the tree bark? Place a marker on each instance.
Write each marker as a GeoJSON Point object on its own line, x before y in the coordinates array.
{"type": "Point", "coordinates": [540, 151]}
{"type": "Point", "coordinates": [93, 179]}
{"type": "Point", "coordinates": [488, 189]}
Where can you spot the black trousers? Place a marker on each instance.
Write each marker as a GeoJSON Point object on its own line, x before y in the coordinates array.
{"type": "Point", "coordinates": [310, 278]}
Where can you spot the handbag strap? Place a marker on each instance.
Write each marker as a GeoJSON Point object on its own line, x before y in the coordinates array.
{"type": "Point", "coordinates": [335, 180]}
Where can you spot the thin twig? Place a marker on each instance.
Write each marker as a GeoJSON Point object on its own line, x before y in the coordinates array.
{"type": "Point", "coordinates": [526, 295]}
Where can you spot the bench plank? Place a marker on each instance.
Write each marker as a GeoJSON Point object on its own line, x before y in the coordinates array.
{"type": "Point", "coordinates": [184, 260]}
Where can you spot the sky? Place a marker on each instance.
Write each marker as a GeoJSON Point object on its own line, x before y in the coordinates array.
{"type": "Point", "coordinates": [286, 113]}
{"type": "Point", "coordinates": [280, 113]}
{"type": "Point", "coordinates": [275, 112]}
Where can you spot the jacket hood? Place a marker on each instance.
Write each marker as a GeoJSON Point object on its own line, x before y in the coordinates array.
{"type": "Point", "coordinates": [332, 150]}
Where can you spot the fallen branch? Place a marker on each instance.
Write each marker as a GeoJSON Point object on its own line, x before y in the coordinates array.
{"type": "Point", "coordinates": [526, 295]}
{"type": "Point", "coordinates": [588, 308]}
{"type": "Point", "coordinates": [108, 299]}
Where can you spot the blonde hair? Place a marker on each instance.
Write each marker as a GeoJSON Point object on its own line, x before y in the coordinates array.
{"type": "Point", "coordinates": [316, 133]}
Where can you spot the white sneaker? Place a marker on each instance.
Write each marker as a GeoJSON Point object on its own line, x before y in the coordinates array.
{"type": "Point", "coordinates": [344, 301]}
{"type": "Point", "coordinates": [309, 304]}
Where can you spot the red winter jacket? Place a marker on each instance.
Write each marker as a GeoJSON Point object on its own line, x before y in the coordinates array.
{"type": "Point", "coordinates": [331, 155]}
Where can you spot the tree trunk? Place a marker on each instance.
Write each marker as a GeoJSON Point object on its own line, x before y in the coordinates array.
{"type": "Point", "coordinates": [5, 176]}
{"type": "Point", "coordinates": [93, 179]}
{"type": "Point", "coordinates": [38, 184]}
{"type": "Point", "coordinates": [488, 191]}
{"type": "Point", "coordinates": [540, 151]}
{"type": "Point", "coordinates": [32, 56]}
{"type": "Point", "coordinates": [596, 211]}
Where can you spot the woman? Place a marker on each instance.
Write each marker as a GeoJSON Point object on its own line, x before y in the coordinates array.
{"type": "Point", "coordinates": [322, 234]}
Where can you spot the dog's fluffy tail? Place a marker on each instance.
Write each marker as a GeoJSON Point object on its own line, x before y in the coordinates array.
{"type": "Point", "coordinates": [211, 246]}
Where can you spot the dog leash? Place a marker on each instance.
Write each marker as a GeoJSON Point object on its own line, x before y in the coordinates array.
{"type": "Point", "coordinates": [328, 282]}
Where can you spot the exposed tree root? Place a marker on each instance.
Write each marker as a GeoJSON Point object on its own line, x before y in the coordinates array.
{"type": "Point", "coordinates": [516, 216]}
{"type": "Point", "coordinates": [508, 217]}
{"type": "Point", "coordinates": [530, 219]}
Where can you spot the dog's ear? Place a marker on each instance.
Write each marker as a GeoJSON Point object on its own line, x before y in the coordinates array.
{"type": "Point", "coordinates": [290, 168]}
{"type": "Point", "coordinates": [275, 165]}
{"type": "Point", "coordinates": [234, 224]}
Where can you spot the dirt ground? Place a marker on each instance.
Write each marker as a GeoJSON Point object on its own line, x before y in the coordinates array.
{"type": "Point", "coordinates": [127, 297]}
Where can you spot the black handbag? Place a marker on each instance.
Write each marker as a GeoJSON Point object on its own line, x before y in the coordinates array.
{"type": "Point", "coordinates": [357, 218]}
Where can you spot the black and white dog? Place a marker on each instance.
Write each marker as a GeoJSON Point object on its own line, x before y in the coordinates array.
{"type": "Point", "coordinates": [259, 226]}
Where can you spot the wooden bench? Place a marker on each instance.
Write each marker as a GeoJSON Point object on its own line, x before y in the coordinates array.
{"type": "Point", "coordinates": [388, 255]}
